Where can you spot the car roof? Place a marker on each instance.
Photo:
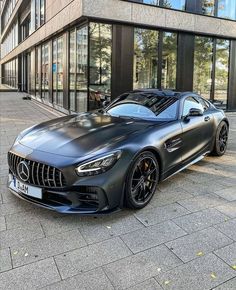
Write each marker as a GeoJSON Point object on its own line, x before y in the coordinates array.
{"type": "Point", "coordinates": [163, 93]}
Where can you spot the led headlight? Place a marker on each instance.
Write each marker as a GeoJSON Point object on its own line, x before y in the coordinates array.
{"type": "Point", "coordinates": [98, 165]}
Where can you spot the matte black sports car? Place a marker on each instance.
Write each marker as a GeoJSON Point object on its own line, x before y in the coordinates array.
{"type": "Point", "coordinates": [101, 161]}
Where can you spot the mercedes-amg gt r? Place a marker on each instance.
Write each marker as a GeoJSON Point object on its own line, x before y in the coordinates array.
{"type": "Point", "coordinates": [101, 161]}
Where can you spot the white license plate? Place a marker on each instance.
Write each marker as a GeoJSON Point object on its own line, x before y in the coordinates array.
{"type": "Point", "coordinates": [26, 189]}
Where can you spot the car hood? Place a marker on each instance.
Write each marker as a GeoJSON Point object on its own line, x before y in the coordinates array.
{"type": "Point", "coordinates": [80, 135]}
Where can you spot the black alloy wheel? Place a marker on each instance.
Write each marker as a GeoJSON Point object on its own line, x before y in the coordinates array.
{"type": "Point", "coordinates": [142, 180]}
{"type": "Point", "coordinates": [221, 140]}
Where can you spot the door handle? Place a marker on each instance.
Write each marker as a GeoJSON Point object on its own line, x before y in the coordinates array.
{"type": "Point", "coordinates": [207, 118]}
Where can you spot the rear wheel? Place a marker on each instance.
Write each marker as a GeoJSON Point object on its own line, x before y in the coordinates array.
{"type": "Point", "coordinates": [142, 180]}
{"type": "Point", "coordinates": [221, 139]}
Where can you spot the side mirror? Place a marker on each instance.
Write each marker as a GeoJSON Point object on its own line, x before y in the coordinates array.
{"type": "Point", "coordinates": [193, 112]}
{"type": "Point", "coordinates": [105, 104]}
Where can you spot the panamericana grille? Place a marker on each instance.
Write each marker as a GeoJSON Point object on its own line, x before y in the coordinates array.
{"type": "Point", "coordinates": [40, 174]}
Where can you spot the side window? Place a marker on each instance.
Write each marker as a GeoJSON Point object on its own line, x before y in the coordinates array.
{"type": "Point", "coordinates": [191, 103]}
{"type": "Point", "coordinates": [204, 104]}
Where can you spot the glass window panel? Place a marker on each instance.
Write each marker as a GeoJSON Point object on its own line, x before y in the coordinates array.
{"type": "Point", "coordinates": [54, 70]}
{"type": "Point", "coordinates": [226, 9]}
{"type": "Point", "coordinates": [145, 58]}
{"type": "Point", "coordinates": [37, 13]}
{"type": "Point", "coordinates": [203, 66]}
{"type": "Point", "coordinates": [100, 64]}
{"type": "Point", "coordinates": [175, 4]}
{"type": "Point", "coordinates": [169, 60]}
{"type": "Point", "coordinates": [42, 12]}
{"type": "Point", "coordinates": [72, 69]}
{"type": "Point", "coordinates": [208, 7]}
{"type": "Point", "coordinates": [82, 69]}
{"type": "Point", "coordinates": [45, 71]}
{"type": "Point", "coordinates": [37, 64]}
{"type": "Point", "coordinates": [60, 71]}
{"type": "Point", "coordinates": [151, 2]}
{"type": "Point", "coordinates": [221, 72]}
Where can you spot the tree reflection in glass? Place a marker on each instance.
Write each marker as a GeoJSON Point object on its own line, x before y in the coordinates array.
{"type": "Point", "coordinates": [203, 66]}
{"type": "Point", "coordinates": [145, 58]}
{"type": "Point", "coordinates": [169, 60]}
{"type": "Point", "coordinates": [221, 71]}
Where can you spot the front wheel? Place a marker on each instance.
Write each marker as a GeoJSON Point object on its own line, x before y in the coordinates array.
{"type": "Point", "coordinates": [142, 180]}
{"type": "Point", "coordinates": [221, 139]}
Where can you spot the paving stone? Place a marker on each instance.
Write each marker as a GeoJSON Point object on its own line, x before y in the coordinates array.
{"type": "Point", "coordinates": [5, 261]}
{"type": "Point", "coordinates": [202, 202]}
{"type": "Point", "coordinates": [152, 236]}
{"type": "Point", "coordinates": [228, 228]}
{"type": "Point", "coordinates": [13, 237]}
{"type": "Point", "coordinates": [165, 197]}
{"type": "Point", "coordinates": [2, 224]}
{"type": "Point", "coordinates": [203, 273]}
{"type": "Point", "coordinates": [17, 206]}
{"type": "Point", "coordinates": [227, 193]}
{"type": "Point", "coordinates": [61, 224]}
{"type": "Point", "coordinates": [200, 220]}
{"type": "Point", "coordinates": [32, 218]}
{"type": "Point", "coordinates": [137, 268]}
{"type": "Point", "coordinates": [229, 285]}
{"type": "Point", "coordinates": [90, 257]}
{"type": "Point", "coordinates": [228, 209]}
{"type": "Point", "coordinates": [160, 214]}
{"type": "Point", "coordinates": [228, 254]}
{"type": "Point", "coordinates": [30, 277]}
{"type": "Point", "coordinates": [150, 284]}
{"type": "Point", "coordinates": [191, 246]}
{"type": "Point", "coordinates": [46, 247]}
{"type": "Point", "coordinates": [101, 228]}
{"type": "Point", "coordinates": [95, 279]}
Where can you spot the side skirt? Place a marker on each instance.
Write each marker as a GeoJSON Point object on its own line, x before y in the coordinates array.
{"type": "Point", "coordinates": [189, 164]}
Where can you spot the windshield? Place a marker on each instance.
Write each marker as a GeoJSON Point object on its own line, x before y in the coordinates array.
{"type": "Point", "coordinates": [145, 107]}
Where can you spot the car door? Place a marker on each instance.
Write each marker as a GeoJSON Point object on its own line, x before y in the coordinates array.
{"type": "Point", "coordinates": [197, 130]}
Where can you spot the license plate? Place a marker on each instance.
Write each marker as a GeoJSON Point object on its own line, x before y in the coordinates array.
{"type": "Point", "coordinates": [26, 189]}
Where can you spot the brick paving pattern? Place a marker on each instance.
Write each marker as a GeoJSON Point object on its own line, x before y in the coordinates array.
{"type": "Point", "coordinates": [184, 239]}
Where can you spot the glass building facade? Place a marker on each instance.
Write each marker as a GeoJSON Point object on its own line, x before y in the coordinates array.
{"type": "Point", "coordinates": [93, 61]}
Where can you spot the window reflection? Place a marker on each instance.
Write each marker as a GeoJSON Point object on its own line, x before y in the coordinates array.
{"type": "Point", "coordinates": [45, 71]}
{"type": "Point", "coordinates": [57, 70]}
{"type": "Point", "coordinates": [227, 9]}
{"type": "Point", "coordinates": [82, 69]}
{"type": "Point", "coordinates": [169, 60]}
{"type": "Point", "coordinates": [37, 71]}
{"type": "Point", "coordinates": [72, 69]}
{"type": "Point", "coordinates": [10, 73]}
{"type": "Point", "coordinates": [221, 72]}
{"type": "Point", "coordinates": [175, 4]}
{"type": "Point", "coordinates": [100, 64]}
{"type": "Point", "coordinates": [208, 7]}
{"type": "Point", "coordinates": [203, 66]}
{"type": "Point", "coordinates": [145, 58]}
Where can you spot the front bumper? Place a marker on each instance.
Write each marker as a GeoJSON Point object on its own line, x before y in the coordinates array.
{"type": "Point", "coordinates": [98, 194]}
{"type": "Point", "coordinates": [79, 199]}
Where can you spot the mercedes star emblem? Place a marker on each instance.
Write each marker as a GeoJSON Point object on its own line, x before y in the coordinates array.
{"type": "Point", "coordinates": [23, 170]}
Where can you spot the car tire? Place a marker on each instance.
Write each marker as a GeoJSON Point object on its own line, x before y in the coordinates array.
{"type": "Point", "coordinates": [221, 139]}
{"type": "Point", "coordinates": [142, 180]}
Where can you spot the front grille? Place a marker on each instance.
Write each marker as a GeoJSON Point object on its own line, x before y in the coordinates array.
{"type": "Point", "coordinates": [40, 174]}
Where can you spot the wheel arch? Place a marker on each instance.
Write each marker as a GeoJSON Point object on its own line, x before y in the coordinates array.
{"type": "Point", "coordinates": [157, 155]}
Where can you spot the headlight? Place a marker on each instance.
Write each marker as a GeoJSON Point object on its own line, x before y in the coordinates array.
{"type": "Point", "coordinates": [98, 165]}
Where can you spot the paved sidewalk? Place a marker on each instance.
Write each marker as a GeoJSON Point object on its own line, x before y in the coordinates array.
{"type": "Point", "coordinates": [185, 239]}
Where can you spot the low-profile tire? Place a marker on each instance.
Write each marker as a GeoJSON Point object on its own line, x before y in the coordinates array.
{"type": "Point", "coordinates": [221, 139]}
{"type": "Point", "coordinates": [142, 180]}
